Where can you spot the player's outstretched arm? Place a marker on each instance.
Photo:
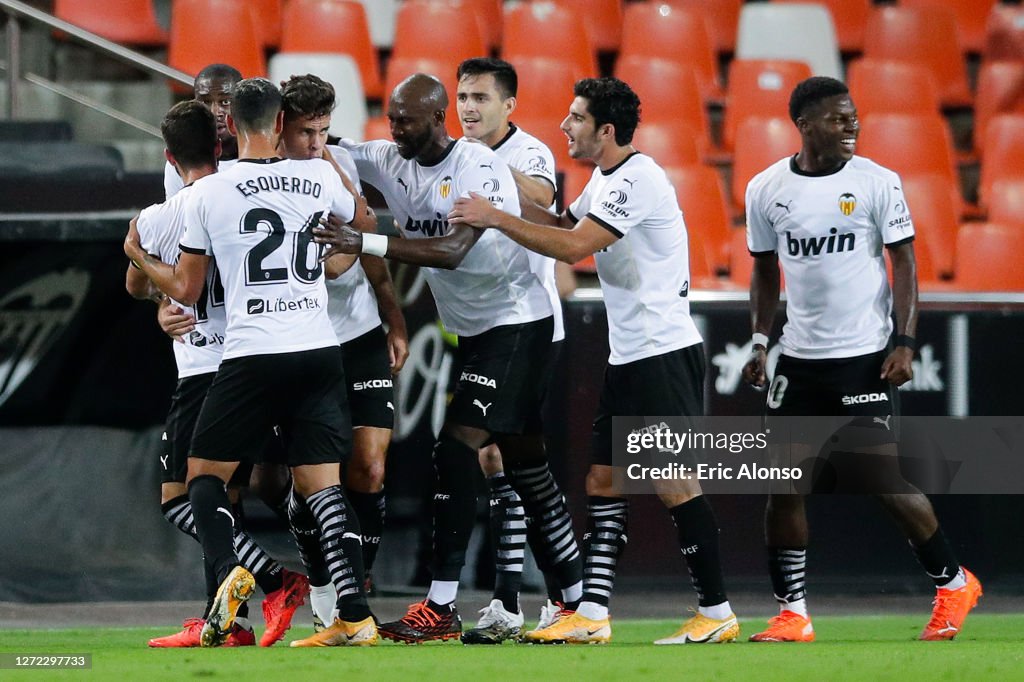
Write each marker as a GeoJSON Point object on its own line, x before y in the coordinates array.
{"type": "Point", "coordinates": [764, 300]}
{"type": "Point", "coordinates": [898, 366]}
{"type": "Point", "coordinates": [533, 189]}
{"type": "Point", "coordinates": [183, 281]}
{"type": "Point", "coordinates": [444, 252]}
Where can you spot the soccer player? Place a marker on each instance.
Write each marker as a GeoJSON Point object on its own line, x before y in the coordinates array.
{"type": "Point", "coordinates": [190, 135]}
{"type": "Point", "coordinates": [485, 101]}
{"type": "Point", "coordinates": [485, 293]}
{"type": "Point", "coordinates": [629, 217]}
{"type": "Point", "coordinates": [281, 364]}
{"type": "Point", "coordinates": [824, 215]}
{"type": "Point", "coordinates": [370, 355]}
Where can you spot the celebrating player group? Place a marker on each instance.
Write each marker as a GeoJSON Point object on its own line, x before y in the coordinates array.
{"type": "Point", "coordinates": [269, 275]}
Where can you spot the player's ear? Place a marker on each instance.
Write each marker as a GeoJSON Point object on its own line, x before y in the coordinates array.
{"type": "Point", "coordinates": [510, 105]}
{"type": "Point", "coordinates": [279, 123]}
{"type": "Point", "coordinates": [232, 128]}
{"type": "Point", "coordinates": [170, 157]}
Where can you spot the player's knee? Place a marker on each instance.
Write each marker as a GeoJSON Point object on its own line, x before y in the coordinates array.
{"type": "Point", "coordinates": [365, 475]}
{"type": "Point", "coordinates": [490, 460]}
{"type": "Point", "coordinates": [170, 491]}
{"type": "Point", "coordinates": [599, 481]}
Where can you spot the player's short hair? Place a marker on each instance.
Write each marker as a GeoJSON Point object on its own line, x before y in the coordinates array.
{"type": "Point", "coordinates": [505, 78]}
{"type": "Point", "coordinates": [809, 92]}
{"type": "Point", "coordinates": [189, 130]}
{"type": "Point", "coordinates": [219, 71]}
{"type": "Point", "coordinates": [610, 100]}
{"type": "Point", "coordinates": [307, 95]}
{"type": "Point", "coordinates": [255, 104]}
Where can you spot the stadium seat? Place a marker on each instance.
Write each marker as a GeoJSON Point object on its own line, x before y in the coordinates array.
{"type": "Point", "coordinates": [702, 199]}
{"type": "Point", "coordinates": [933, 202]}
{"type": "Point", "coordinates": [268, 15]}
{"type": "Point", "coordinates": [36, 131]}
{"type": "Point", "coordinates": [488, 15]}
{"type": "Point", "coordinates": [881, 86]}
{"type": "Point", "coordinates": [760, 142]}
{"type": "Point", "coordinates": [132, 22]}
{"type": "Point", "coordinates": [971, 17]}
{"type": "Point", "coordinates": [436, 29]}
{"type": "Point", "coordinates": [400, 68]}
{"type": "Point", "coordinates": [799, 32]}
{"type": "Point", "coordinates": [543, 29]}
{"type": "Point", "coordinates": [988, 257]}
{"type": "Point", "coordinates": [380, 15]}
{"type": "Point", "coordinates": [655, 30]}
{"type": "Point", "coordinates": [908, 144]}
{"type": "Point", "coordinates": [575, 177]}
{"type": "Point", "coordinates": [1006, 202]}
{"type": "Point", "coordinates": [196, 41]}
{"type": "Point", "coordinates": [1000, 91]}
{"type": "Point", "coordinates": [701, 273]}
{"type": "Point", "coordinates": [668, 91]}
{"type": "Point", "coordinates": [722, 17]}
{"type": "Point", "coordinates": [670, 143]}
{"type": "Point", "coordinates": [759, 87]}
{"type": "Point", "coordinates": [1004, 33]}
{"type": "Point", "coordinates": [741, 263]}
{"type": "Point", "coordinates": [60, 161]}
{"type": "Point", "coordinates": [1004, 149]}
{"type": "Point", "coordinates": [545, 88]}
{"type": "Point", "coordinates": [602, 19]}
{"type": "Point", "coordinates": [377, 128]}
{"type": "Point", "coordinates": [349, 117]}
{"type": "Point", "coordinates": [927, 36]}
{"type": "Point", "coordinates": [350, 34]}
{"type": "Point", "coordinates": [849, 17]}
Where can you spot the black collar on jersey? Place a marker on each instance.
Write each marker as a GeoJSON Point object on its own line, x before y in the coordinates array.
{"type": "Point", "coordinates": [272, 159]}
{"type": "Point", "coordinates": [618, 165]}
{"type": "Point", "coordinates": [817, 174]}
{"type": "Point", "coordinates": [511, 131]}
{"type": "Point", "coordinates": [447, 151]}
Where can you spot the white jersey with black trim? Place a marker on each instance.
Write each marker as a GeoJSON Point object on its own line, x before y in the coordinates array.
{"type": "Point", "coordinates": [161, 227]}
{"type": "Point", "coordinates": [351, 303]}
{"type": "Point", "coordinates": [173, 182]}
{"type": "Point", "coordinates": [494, 285]}
{"type": "Point", "coordinates": [828, 231]}
{"type": "Point", "coordinates": [645, 274]}
{"type": "Point", "coordinates": [257, 218]}
{"type": "Point", "coordinates": [530, 156]}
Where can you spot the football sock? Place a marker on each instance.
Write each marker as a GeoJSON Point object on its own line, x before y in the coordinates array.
{"type": "Point", "coordinates": [322, 599]}
{"type": "Point", "coordinates": [268, 573]}
{"type": "Point", "coordinates": [788, 567]}
{"type": "Point", "coordinates": [536, 543]}
{"type": "Point", "coordinates": [369, 508]}
{"type": "Point", "coordinates": [443, 592]}
{"type": "Point", "coordinates": [589, 609]}
{"type": "Point", "coordinates": [698, 541]}
{"type": "Point", "coordinates": [939, 562]}
{"type": "Point", "coordinates": [307, 537]}
{"type": "Point", "coordinates": [603, 545]}
{"type": "Point", "coordinates": [341, 540]}
{"type": "Point", "coordinates": [508, 530]}
{"type": "Point", "coordinates": [211, 586]}
{"type": "Point", "coordinates": [214, 523]}
{"type": "Point", "coordinates": [455, 466]}
{"type": "Point", "coordinates": [178, 512]}
{"type": "Point", "coordinates": [572, 594]}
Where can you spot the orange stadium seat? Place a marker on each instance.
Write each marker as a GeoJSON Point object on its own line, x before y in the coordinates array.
{"type": "Point", "coordinates": [760, 142]}
{"type": "Point", "coordinates": [971, 17]}
{"type": "Point", "coordinates": [908, 143]}
{"type": "Point", "coordinates": [1006, 202]}
{"type": "Point", "coordinates": [702, 198]}
{"type": "Point", "coordinates": [668, 91]}
{"type": "Point", "coordinates": [132, 22]}
{"type": "Point", "coordinates": [543, 29]}
{"type": "Point", "coordinates": [925, 35]}
{"type": "Point", "coordinates": [268, 15]}
{"type": "Point", "coordinates": [850, 17]}
{"type": "Point", "coordinates": [602, 19]}
{"type": "Point", "coordinates": [197, 41]}
{"type": "Point", "coordinates": [881, 86]}
{"type": "Point", "coordinates": [933, 202]}
{"type": "Point", "coordinates": [722, 18]}
{"type": "Point", "coordinates": [432, 29]}
{"type": "Point", "coordinates": [377, 128]}
{"type": "Point", "coordinates": [759, 88]}
{"type": "Point", "coordinates": [1004, 33]}
{"type": "Point", "coordinates": [575, 177]}
{"type": "Point", "coordinates": [1004, 149]}
{"type": "Point", "coordinates": [988, 257]}
{"type": "Point", "coordinates": [400, 68]}
{"type": "Point", "coordinates": [1000, 91]}
{"type": "Point", "coordinates": [701, 272]}
{"type": "Point", "coordinates": [670, 143]}
{"type": "Point", "coordinates": [349, 34]}
{"type": "Point", "coordinates": [673, 33]}
{"type": "Point", "coordinates": [488, 15]}
{"type": "Point", "coordinates": [545, 88]}
{"type": "Point", "coordinates": [741, 263]}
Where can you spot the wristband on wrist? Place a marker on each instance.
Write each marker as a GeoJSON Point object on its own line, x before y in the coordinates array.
{"type": "Point", "coordinates": [375, 244]}
{"type": "Point", "coordinates": [907, 341]}
{"type": "Point", "coordinates": [759, 339]}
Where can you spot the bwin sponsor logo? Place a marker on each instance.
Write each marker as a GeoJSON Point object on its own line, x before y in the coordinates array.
{"type": "Point", "coordinates": [478, 379]}
{"type": "Point", "coordinates": [430, 228]}
{"type": "Point", "coordinates": [814, 246]}
{"type": "Point", "coordinates": [865, 398]}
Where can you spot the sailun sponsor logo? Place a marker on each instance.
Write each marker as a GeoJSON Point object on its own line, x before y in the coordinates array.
{"type": "Point", "coordinates": [815, 246]}
{"type": "Point", "coordinates": [614, 203]}
{"type": "Point", "coordinates": [437, 227]}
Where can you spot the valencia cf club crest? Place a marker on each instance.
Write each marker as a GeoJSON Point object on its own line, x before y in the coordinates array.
{"type": "Point", "coordinates": [446, 187]}
{"type": "Point", "coordinates": [847, 202]}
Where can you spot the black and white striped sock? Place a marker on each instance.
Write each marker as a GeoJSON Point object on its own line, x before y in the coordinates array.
{"type": "Point", "coordinates": [369, 509]}
{"type": "Point", "coordinates": [603, 545]}
{"type": "Point", "coordinates": [341, 543]}
{"type": "Point", "coordinates": [788, 568]}
{"type": "Point", "coordinates": [508, 529]}
{"type": "Point", "coordinates": [307, 538]}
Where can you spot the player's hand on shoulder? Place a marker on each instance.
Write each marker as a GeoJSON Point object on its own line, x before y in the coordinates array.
{"type": "Point", "coordinates": [754, 370]}
{"type": "Point", "coordinates": [898, 367]}
{"type": "Point", "coordinates": [174, 321]}
{"type": "Point", "coordinates": [474, 210]}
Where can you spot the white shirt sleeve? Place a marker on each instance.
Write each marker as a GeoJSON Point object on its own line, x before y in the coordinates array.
{"type": "Point", "coordinates": [368, 158]}
{"type": "Point", "coordinates": [761, 237]}
{"type": "Point", "coordinates": [620, 205]}
{"type": "Point", "coordinates": [343, 204]}
{"type": "Point", "coordinates": [172, 181]}
{"type": "Point", "coordinates": [197, 236]}
{"type": "Point", "coordinates": [491, 179]}
{"type": "Point", "coordinates": [536, 161]}
{"type": "Point", "coordinates": [891, 213]}
{"type": "Point", "coordinates": [157, 235]}
{"type": "Point", "coordinates": [345, 162]}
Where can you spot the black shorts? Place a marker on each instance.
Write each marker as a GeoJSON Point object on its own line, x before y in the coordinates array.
{"type": "Point", "coordinates": [302, 393]}
{"type": "Point", "coordinates": [371, 392]}
{"type": "Point", "coordinates": [670, 384]}
{"type": "Point", "coordinates": [503, 378]}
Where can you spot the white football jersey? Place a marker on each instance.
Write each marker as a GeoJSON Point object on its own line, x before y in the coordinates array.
{"type": "Point", "coordinates": [828, 231]}
{"type": "Point", "coordinates": [494, 284]}
{"type": "Point", "coordinates": [257, 218]}
{"type": "Point", "coordinates": [173, 182]}
{"type": "Point", "coordinates": [530, 156]}
{"type": "Point", "coordinates": [645, 275]}
{"type": "Point", "coordinates": [161, 227]}
{"type": "Point", "coordinates": [351, 303]}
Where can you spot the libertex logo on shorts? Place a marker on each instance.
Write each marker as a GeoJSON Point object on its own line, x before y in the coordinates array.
{"type": "Point", "coordinates": [260, 306]}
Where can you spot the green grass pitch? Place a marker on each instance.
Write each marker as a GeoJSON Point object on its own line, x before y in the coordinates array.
{"type": "Point", "coordinates": [848, 648]}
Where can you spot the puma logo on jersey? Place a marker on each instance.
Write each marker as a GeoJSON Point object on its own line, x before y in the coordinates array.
{"type": "Point", "coordinates": [403, 185]}
{"type": "Point", "coordinates": [815, 246]}
{"type": "Point", "coordinates": [629, 182]}
{"type": "Point", "coordinates": [865, 398]}
{"type": "Point", "coordinates": [478, 379]}
{"type": "Point", "coordinates": [224, 511]}
{"type": "Point", "coordinates": [483, 408]}
{"type": "Point", "coordinates": [352, 536]}
{"type": "Point", "coordinates": [163, 461]}
{"type": "Point", "coordinates": [779, 204]}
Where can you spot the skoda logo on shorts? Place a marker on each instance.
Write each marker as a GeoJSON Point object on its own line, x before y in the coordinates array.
{"type": "Point", "coordinates": [255, 306]}
{"type": "Point", "coordinates": [847, 202]}
{"type": "Point", "coordinates": [492, 186]}
{"type": "Point", "coordinates": [446, 186]}
{"type": "Point", "coordinates": [618, 196]}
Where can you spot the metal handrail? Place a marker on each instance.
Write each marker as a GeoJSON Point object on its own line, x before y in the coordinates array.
{"type": "Point", "coordinates": [16, 10]}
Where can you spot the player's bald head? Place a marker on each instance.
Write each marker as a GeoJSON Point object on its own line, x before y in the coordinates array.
{"type": "Point", "coordinates": [421, 92]}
